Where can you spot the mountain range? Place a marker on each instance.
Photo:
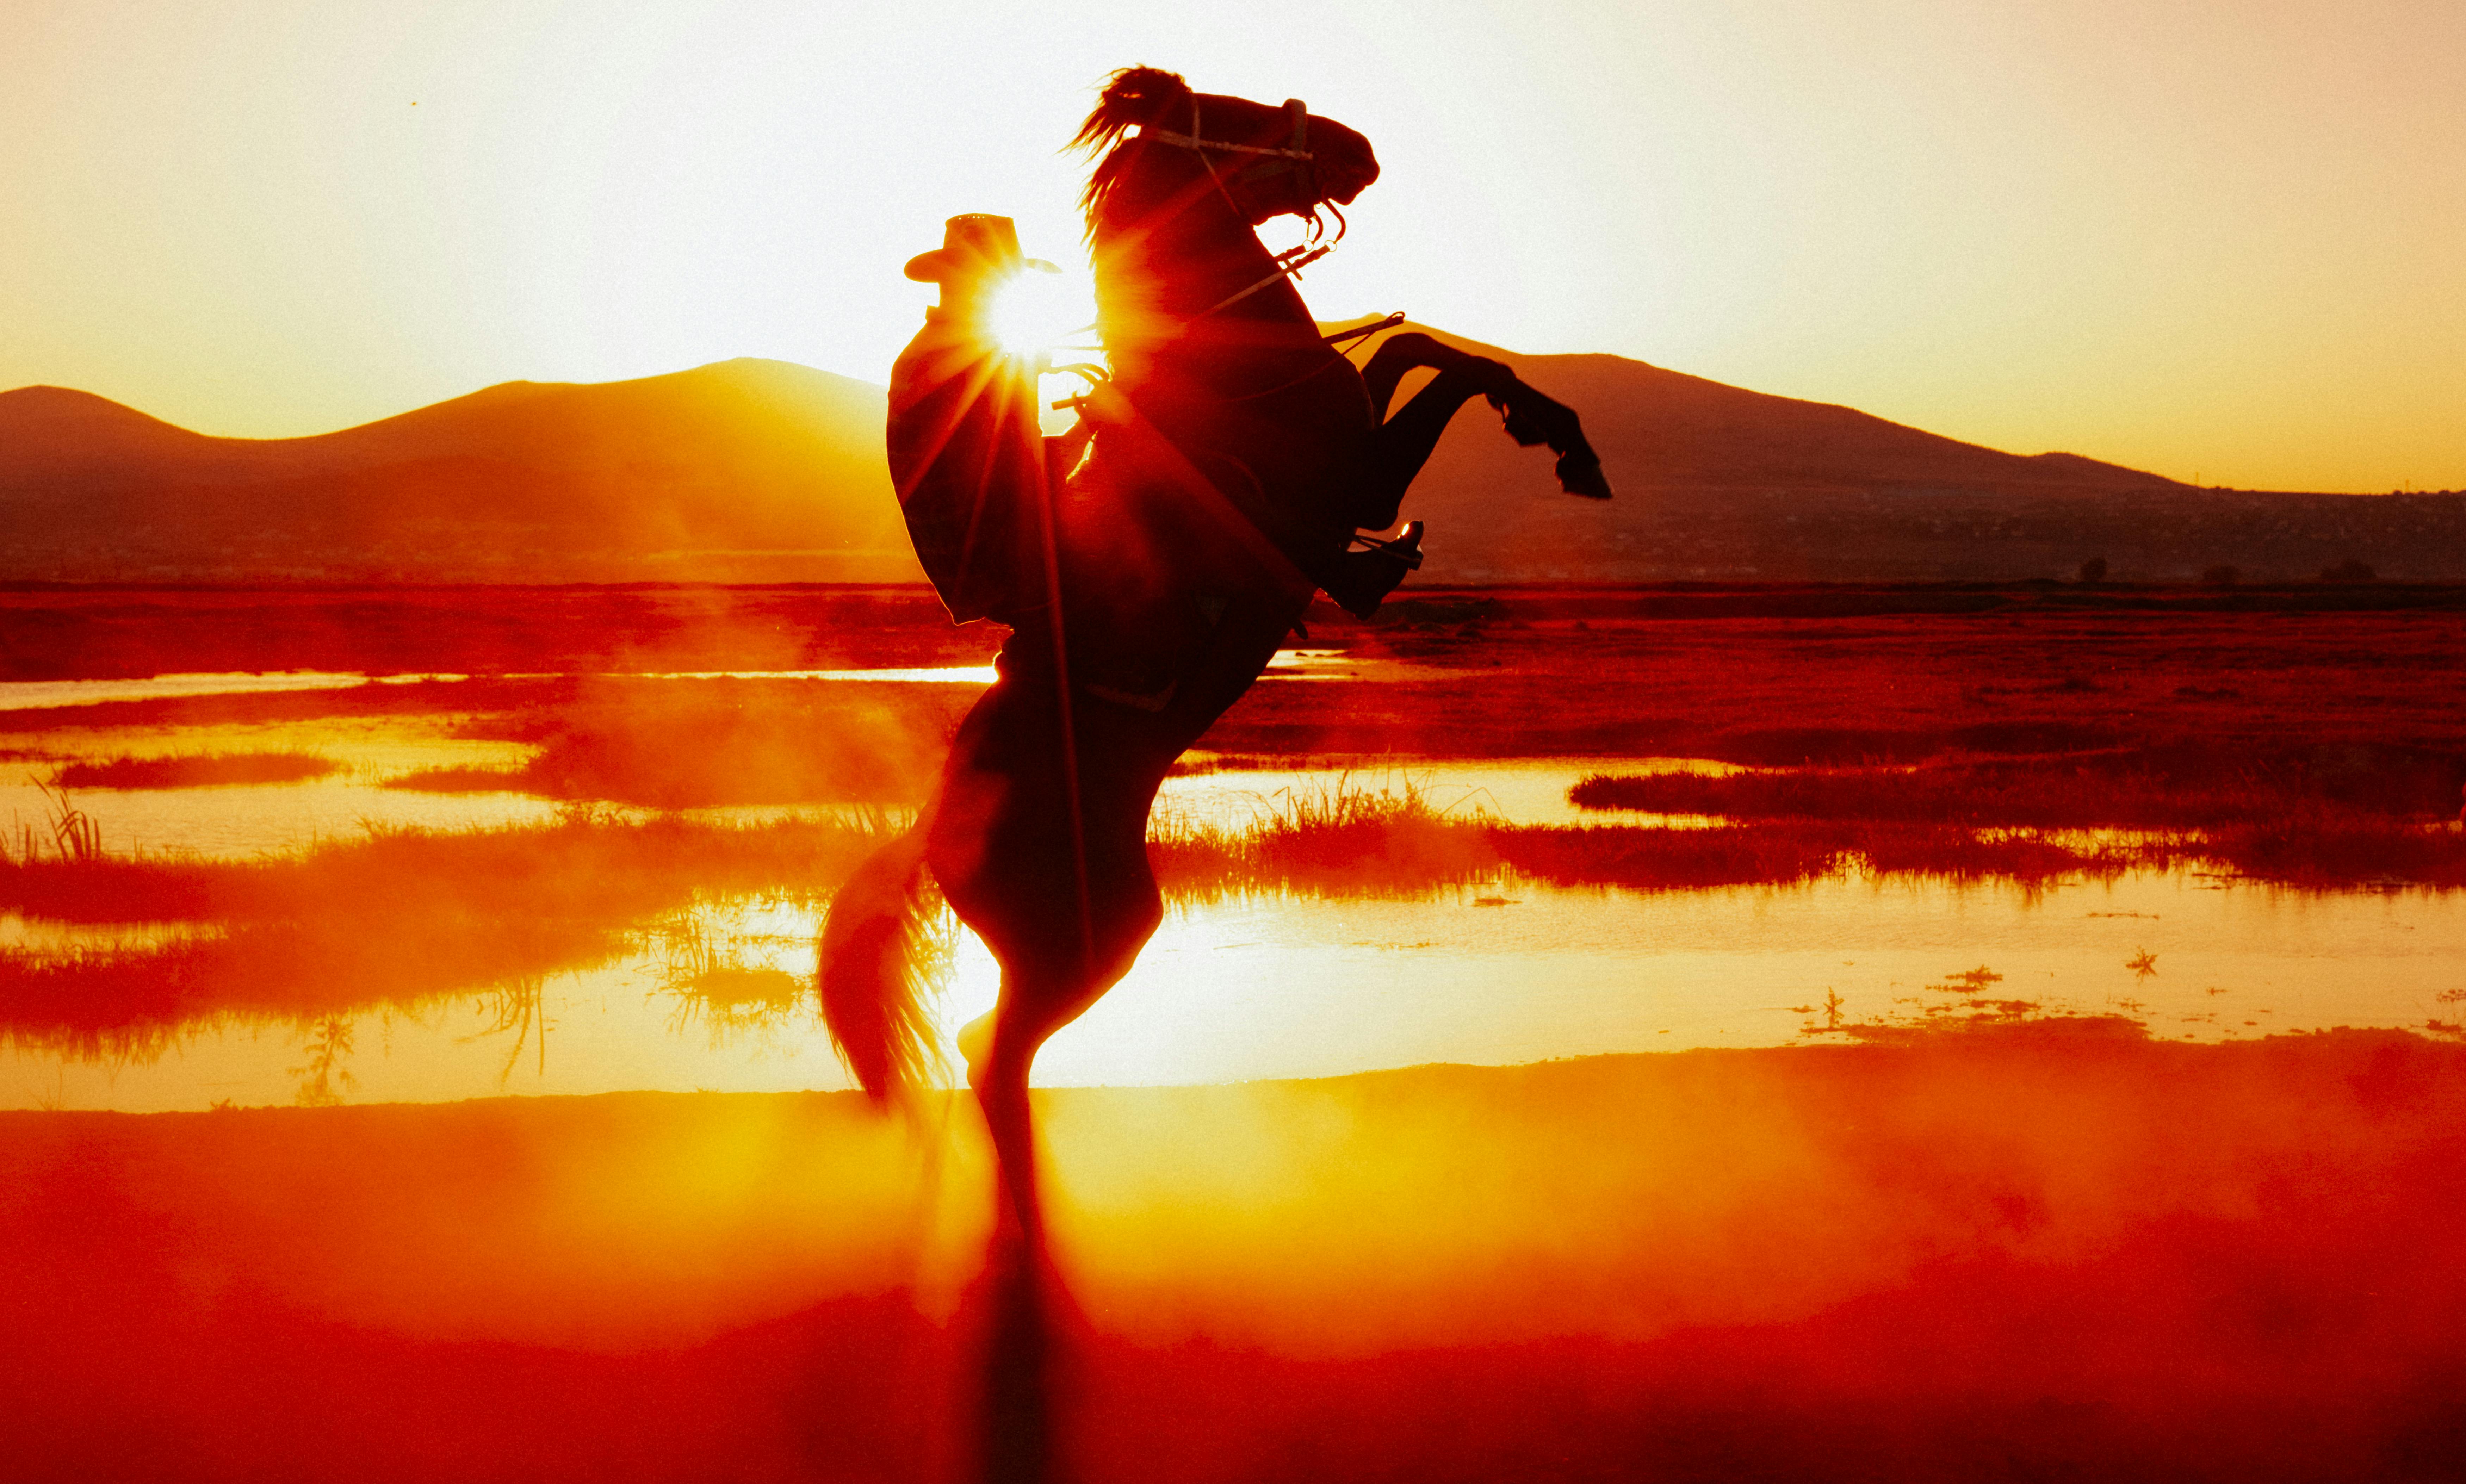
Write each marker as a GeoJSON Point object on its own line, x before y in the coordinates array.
{"type": "Point", "coordinates": [753, 470]}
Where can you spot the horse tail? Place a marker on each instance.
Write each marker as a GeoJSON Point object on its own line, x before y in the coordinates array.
{"type": "Point", "coordinates": [877, 974]}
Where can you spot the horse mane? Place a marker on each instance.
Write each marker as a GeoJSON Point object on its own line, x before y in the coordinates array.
{"type": "Point", "coordinates": [1134, 95]}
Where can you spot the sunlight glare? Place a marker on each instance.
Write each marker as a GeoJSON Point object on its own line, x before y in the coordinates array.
{"type": "Point", "coordinates": [1035, 314]}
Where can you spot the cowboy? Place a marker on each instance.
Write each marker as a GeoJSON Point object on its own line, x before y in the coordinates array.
{"type": "Point", "coordinates": [967, 457]}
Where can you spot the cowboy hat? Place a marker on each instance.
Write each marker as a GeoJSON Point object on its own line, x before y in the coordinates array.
{"type": "Point", "coordinates": [973, 246]}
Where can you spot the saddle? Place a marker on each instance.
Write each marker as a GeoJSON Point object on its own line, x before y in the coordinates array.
{"type": "Point", "coordinates": [978, 481]}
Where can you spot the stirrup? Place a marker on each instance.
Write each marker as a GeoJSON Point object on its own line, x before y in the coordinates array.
{"type": "Point", "coordinates": [1361, 580]}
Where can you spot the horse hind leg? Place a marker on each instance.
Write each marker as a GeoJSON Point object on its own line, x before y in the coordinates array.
{"type": "Point", "coordinates": [1047, 982]}
{"type": "Point", "coordinates": [999, 1062]}
{"type": "Point", "coordinates": [998, 1074]}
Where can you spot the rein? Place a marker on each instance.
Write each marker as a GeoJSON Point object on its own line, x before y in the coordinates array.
{"type": "Point", "coordinates": [1291, 262]}
{"type": "Point", "coordinates": [1296, 148]}
{"type": "Point", "coordinates": [1289, 265]}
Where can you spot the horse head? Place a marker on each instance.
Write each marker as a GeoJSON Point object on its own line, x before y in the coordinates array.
{"type": "Point", "coordinates": [1267, 160]}
{"type": "Point", "coordinates": [1182, 180]}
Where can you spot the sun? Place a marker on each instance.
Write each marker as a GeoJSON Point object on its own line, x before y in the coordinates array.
{"type": "Point", "coordinates": [1035, 315]}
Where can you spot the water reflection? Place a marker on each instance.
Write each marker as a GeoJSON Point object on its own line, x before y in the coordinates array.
{"type": "Point", "coordinates": [740, 972]}
{"type": "Point", "coordinates": [49, 938]}
{"type": "Point", "coordinates": [513, 1009]}
{"type": "Point", "coordinates": [18, 695]}
{"type": "Point", "coordinates": [718, 996]}
{"type": "Point", "coordinates": [325, 1077]}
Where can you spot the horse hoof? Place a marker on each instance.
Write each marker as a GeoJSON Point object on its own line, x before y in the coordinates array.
{"type": "Point", "coordinates": [1578, 476]}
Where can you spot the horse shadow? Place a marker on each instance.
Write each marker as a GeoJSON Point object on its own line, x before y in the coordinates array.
{"type": "Point", "coordinates": [1027, 1328]}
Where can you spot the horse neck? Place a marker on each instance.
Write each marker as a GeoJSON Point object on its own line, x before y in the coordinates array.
{"type": "Point", "coordinates": [1163, 278]}
{"type": "Point", "coordinates": [1246, 391]}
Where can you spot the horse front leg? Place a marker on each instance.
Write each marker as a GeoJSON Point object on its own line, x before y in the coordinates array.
{"type": "Point", "coordinates": [1405, 440]}
{"type": "Point", "coordinates": [1402, 444]}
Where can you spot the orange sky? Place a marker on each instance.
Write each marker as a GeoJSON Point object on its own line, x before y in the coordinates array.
{"type": "Point", "coordinates": [2218, 240]}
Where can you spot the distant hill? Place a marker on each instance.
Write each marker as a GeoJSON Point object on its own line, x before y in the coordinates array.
{"type": "Point", "coordinates": [754, 470]}
{"type": "Point", "coordinates": [747, 468]}
{"type": "Point", "coordinates": [1664, 429]}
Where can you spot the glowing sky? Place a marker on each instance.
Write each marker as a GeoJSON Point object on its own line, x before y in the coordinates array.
{"type": "Point", "coordinates": [2220, 241]}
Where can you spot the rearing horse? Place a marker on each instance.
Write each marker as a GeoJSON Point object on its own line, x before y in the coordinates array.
{"type": "Point", "coordinates": [1235, 455]}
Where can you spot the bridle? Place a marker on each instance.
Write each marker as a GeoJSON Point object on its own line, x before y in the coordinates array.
{"type": "Point", "coordinates": [1267, 159]}
{"type": "Point", "coordinates": [1267, 162]}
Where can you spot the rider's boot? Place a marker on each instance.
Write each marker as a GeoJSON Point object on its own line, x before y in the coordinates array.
{"type": "Point", "coordinates": [1359, 581]}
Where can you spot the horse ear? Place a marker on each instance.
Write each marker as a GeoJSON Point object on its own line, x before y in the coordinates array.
{"type": "Point", "coordinates": [1132, 96]}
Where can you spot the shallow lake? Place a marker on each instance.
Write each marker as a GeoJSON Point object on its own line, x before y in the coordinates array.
{"type": "Point", "coordinates": [1247, 987]}
{"type": "Point", "coordinates": [1285, 987]}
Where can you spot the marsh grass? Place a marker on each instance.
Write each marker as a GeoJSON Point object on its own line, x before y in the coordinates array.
{"type": "Point", "coordinates": [462, 780]}
{"type": "Point", "coordinates": [403, 916]}
{"type": "Point", "coordinates": [2328, 855]}
{"type": "Point", "coordinates": [2298, 823]}
{"type": "Point", "coordinates": [1197, 764]}
{"type": "Point", "coordinates": [705, 973]}
{"type": "Point", "coordinates": [1349, 839]}
{"type": "Point", "coordinates": [196, 770]}
{"type": "Point", "coordinates": [588, 865]}
{"type": "Point", "coordinates": [73, 835]}
{"type": "Point", "coordinates": [1343, 836]}
{"type": "Point", "coordinates": [393, 918]}
{"type": "Point", "coordinates": [2176, 788]}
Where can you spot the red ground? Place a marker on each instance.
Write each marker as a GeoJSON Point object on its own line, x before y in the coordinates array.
{"type": "Point", "coordinates": [2019, 1255]}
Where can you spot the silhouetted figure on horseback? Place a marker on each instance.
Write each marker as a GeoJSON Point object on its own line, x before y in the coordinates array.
{"type": "Point", "coordinates": [1148, 564]}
